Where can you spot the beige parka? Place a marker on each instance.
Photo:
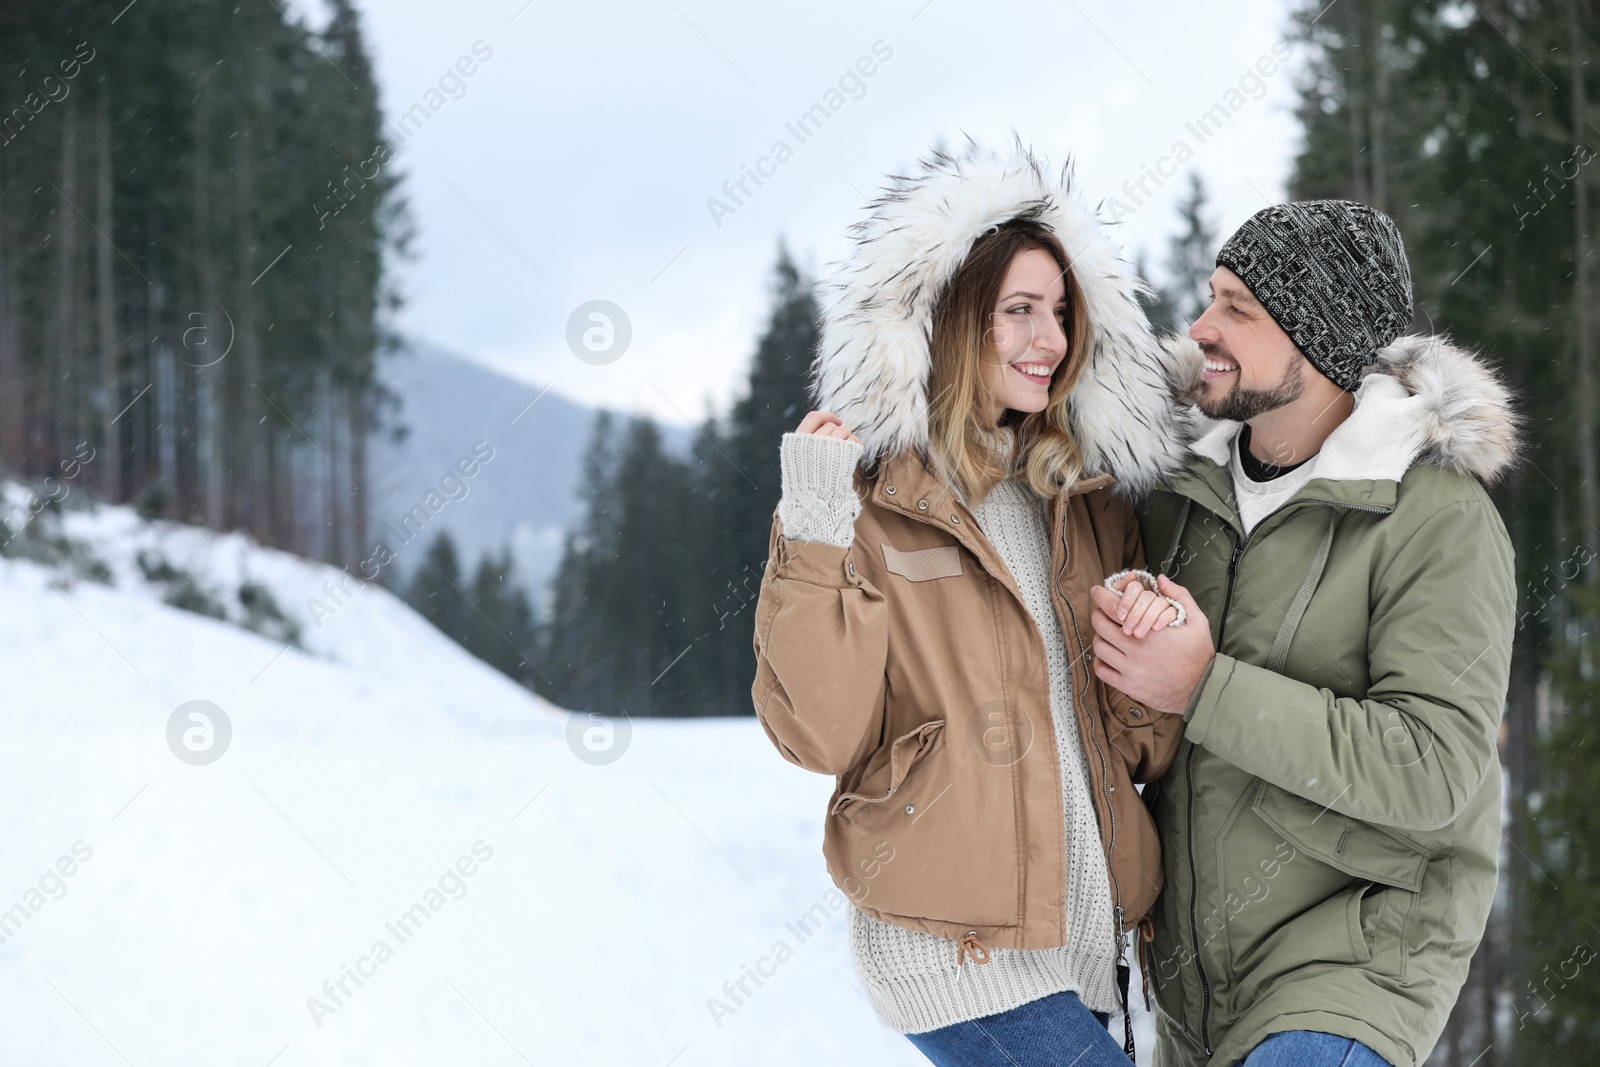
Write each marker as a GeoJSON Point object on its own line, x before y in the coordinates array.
{"type": "Point", "coordinates": [907, 665]}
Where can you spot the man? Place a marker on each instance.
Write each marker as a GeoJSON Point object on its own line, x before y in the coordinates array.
{"type": "Point", "coordinates": [1331, 822]}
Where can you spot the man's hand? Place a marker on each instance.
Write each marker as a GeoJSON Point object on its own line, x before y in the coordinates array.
{"type": "Point", "coordinates": [1161, 669]}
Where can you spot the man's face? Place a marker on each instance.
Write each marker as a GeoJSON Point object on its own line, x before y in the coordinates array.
{"type": "Point", "coordinates": [1251, 365]}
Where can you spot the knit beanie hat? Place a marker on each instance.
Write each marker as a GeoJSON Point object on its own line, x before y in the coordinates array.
{"type": "Point", "coordinates": [1333, 274]}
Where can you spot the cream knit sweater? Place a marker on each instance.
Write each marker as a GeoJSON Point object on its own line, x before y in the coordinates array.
{"type": "Point", "coordinates": [911, 977]}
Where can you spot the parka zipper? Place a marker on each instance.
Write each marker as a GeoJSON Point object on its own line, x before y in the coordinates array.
{"type": "Point", "coordinates": [1189, 823]}
{"type": "Point", "coordinates": [1239, 547]}
{"type": "Point", "coordinates": [1111, 814]}
{"type": "Point", "coordinates": [1094, 735]}
{"type": "Point", "coordinates": [1188, 763]}
{"type": "Point", "coordinates": [1105, 775]}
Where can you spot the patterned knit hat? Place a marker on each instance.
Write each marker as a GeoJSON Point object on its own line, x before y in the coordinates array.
{"type": "Point", "coordinates": [1333, 274]}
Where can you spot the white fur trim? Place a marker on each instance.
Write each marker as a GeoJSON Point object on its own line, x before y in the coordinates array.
{"type": "Point", "coordinates": [1423, 400]}
{"type": "Point", "coordinates": [873, 361]}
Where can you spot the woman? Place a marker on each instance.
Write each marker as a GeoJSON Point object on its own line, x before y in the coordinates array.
{"type": "Point", "coordinates": [922, 630]}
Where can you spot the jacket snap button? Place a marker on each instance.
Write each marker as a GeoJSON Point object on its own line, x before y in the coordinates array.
{"type": "Point", "coordinates": [955, 518]}
{"type": "Point", "coordinates": [889, 490]}
{"type": "Point", "coordinates": [1137, 714]}
{"type": "Point", "coordinates": [910, 808]}
{"type": "Point", "coordinates": [852, 568]}
{"type": "Point", "coordinates": [923, 505]}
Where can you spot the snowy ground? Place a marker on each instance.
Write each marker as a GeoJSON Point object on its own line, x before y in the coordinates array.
{"type": "Point", "coordinates": [575, 913]}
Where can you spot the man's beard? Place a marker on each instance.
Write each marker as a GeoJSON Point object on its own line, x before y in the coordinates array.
{"type": "Point", "coordinates": [1241, 404]}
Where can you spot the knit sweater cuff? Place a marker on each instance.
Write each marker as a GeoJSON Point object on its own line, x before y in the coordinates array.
{"type": "Point", "coordinates": [819, 501]}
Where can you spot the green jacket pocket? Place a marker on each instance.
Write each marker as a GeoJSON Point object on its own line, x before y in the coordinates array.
{"type": "Point", "coordinates": [1359, 849]}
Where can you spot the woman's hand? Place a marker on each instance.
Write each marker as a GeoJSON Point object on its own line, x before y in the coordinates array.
{"type": "Point", "coordinates": [1140, 610]}
{"type": "Point", "coordinates": [825, 424]}
{"type": "Point", "coordinates": [1162, 672]}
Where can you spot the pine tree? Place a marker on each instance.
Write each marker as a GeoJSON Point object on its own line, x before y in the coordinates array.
{"type": "Point", "coordinates": [436, 592]}
{"type": "Point", "coordinates": [1467, 124]}
{"type": "Point", "coordinates": [1557, 1001]}
{"type": "Point", "coordinates": [167, 210]}
{"type": "Point", "coordinates": [651, 604]}
{"type": "Point", "coordinates": [1153, 304]}
{"type": "Point", "coordinates": [653, 552]}
{"type": "Point", "coordinates": [739, 486]}
{"type": "Point", "coordinates": [578, 655]}
{"type": "Point", "coordinates": [502, 629]}
{"type": "Point", "coordinates": [1191, 258]}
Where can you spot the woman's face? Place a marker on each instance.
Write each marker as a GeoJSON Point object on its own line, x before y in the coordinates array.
{"type": "Point", "coordinates": [1027, 336]}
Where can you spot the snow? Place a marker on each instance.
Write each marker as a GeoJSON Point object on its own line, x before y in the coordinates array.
{"type": "Point", "coordinates": [580, 911]}
{"type": "Point", "coordinates": [214, 901]}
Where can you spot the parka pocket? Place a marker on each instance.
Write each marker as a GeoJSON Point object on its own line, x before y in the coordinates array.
{"type": "Point", "coordinates": [1359, 849]}
{"type": "Point", "coordinates": [1387, 869]}
{"type": "Point", "coordinates": [883, 777]}
{"type": "Point", "coordinates": [926, 833]}
{"type": "Point", "coordinates": [1327, 932]}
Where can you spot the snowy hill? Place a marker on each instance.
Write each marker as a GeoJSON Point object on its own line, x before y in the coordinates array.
{"type": "Point", "coordinates": [399, 858]}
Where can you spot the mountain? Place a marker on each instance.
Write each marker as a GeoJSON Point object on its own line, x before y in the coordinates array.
{"type": "Point", "coordinates": [526, 494]}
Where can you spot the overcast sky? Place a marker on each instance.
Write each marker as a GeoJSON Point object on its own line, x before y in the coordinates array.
{"type": "Point", "coordinates": [576, 161]}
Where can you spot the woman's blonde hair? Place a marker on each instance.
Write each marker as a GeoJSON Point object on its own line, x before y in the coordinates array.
{"type": "Point", "coordinates": [960, 397]}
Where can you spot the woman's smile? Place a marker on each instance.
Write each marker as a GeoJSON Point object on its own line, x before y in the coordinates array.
{"type": "Point", "coordinates": [1036, 373]}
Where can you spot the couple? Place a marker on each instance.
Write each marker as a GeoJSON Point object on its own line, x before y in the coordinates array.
{"type": "Point", "coordinates": [959, 619]}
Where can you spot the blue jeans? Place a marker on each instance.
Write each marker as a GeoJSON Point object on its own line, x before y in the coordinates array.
{"type": "Point", "coordinates": [1053, 1031]}
{"type": "Point", "coordinates": [1312, 1048]}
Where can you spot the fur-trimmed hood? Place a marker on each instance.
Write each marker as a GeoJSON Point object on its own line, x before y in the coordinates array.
{"type": "Point", "coordinates": [873, 363]}
{"type": "Point", "coordinates": [1423, 399]}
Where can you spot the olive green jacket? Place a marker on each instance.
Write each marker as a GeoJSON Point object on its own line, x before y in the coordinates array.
{"type": "Point", "coordinates": [1331, 822]}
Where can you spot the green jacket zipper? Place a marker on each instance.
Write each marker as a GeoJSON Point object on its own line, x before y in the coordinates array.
{"type": "Point", "coordinates": [1188, 763]}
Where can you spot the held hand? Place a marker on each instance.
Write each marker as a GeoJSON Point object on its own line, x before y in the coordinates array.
{"type": "Point", "coordinates": [825, 424]}
{"type": "Point", "coordinates": [1141, 610]}
{"type": "Point", "coordinates": [1162, 669]}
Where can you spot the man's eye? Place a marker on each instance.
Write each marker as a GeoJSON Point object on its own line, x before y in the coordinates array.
{"type": "Point", "coordinates": [1235, 310]}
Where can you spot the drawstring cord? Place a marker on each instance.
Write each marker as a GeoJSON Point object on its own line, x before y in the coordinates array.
{"type": "Point", "coordinates": [1147, 933]}
{"type": "Point", "coordinates": [970, 945]}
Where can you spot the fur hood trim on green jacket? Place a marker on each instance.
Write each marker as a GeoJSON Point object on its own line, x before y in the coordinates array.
{"type": "Point", "coordinates": [1424, 399]}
